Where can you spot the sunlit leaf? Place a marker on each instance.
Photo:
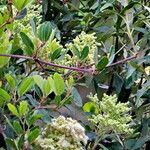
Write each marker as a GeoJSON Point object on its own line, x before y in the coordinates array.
{"type": "Point", "coordinates": [4, 97]}
{"type": "Point", "coordinates": [59, 84]}
{"type": "Point", "coordinates": [25, 85]}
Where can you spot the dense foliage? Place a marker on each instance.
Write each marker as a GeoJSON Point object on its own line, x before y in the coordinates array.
{"type": "Point", "coordinates": [74, 74]}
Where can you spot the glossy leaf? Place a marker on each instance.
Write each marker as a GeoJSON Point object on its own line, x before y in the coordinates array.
{"type": "Point", "coordinates": [5, 48]}
{"type": "Point", "coordinates": [25, 85]}
{"type": "Point", "coordinates": [27, 41]}
{"type": "Point", "coordinates": [17, 127]}
{"type": "Point", "coordinates": [59, 84]}
{"type": "Point", "coordinates": [23, 108]}
{"type": "Point", "coordinates": [55, 54]}
{"type": "Point", "coordinates": [4, 97]}
{"type": "Point", "coordinates": [46, 88]}
{"type": "Point", "coordinates": [20, 4]}
{"type": "Point", "coordinates": [84, 52]}
{"type": "Point", "coordinates": [76, 97]}
{"type": "Point", "coordinates": [34, 118]}
{"type": "Point", "coordinates": [140, 142]}
{"type": "Point", "coordinates": [90, 107]}
{"type": "Point", "coordinates": [102, 63]}
{"type": "Point", "coordinates": [10, 79]}
{"type": "Point", "coordinates": [39, 81]}
{"type": "Point", "coordinates": [33, 25]}
{"type": "Point", "coordinates": [11, 143]}
{"type": "Point", "coordinates": [76, 51]}
{"type": "Point", "coordinates": [44, 31]}
{"type": "Point", "coordinates": [22, 14]}
{"type": "Point", "coordinates": [13, 109]}
{"type": "Point", "coordinates": [33, 135]}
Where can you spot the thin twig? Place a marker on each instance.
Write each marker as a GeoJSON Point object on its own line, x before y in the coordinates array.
{"type": "Point", "coordinates": [9, 21]}
{"type": "Point", "coordinates": [123, 61]}
{"type": "Point", "coordinates": [52, 107]}
{"type": "Point", "coordinates": [9, 7]}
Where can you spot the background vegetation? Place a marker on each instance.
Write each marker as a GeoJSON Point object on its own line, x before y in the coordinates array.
{"type": "Point", "coordinates": [54, 53]}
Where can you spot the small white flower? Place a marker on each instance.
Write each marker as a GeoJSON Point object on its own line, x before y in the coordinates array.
{"type": "Point", "coordinates": [64, 143]}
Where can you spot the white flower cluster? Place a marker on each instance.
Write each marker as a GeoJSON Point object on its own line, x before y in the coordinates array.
{"type": "Point", "coordinates": [83, 40]}
{"type": "Point", "coordinates": [78, 44]}
{"type": "Point", "coordinates": [111, 116]}
{"type": "Point", "coordinates": [62, 134]}
{"type": "Point", "coordinates": [33, 11]}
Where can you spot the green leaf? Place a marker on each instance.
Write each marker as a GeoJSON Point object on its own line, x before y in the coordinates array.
{"type": "Point", "coordinates": [117, 83]}
{"type": "Point", "coordinates": [56, 54]}
{"type": "Point", "coordinates": [39, 81]}
{"type": "Point", "coordinates": [27, 41]}
{"type": "Point", "coordinates": [17, 127]}
{"type": "Point", "coordinates": [44, 31]}
{"type": "Point", "coordinates": [137, 66]}
{"type": "Point", "coordinates": [21, 141]}
{"type": "Point", "coordinates": [34, 118]}
{"type": "Point", "coordinates": [95, 5]}
{"type": "Point", "coordinates": [33, 135]}
{"type": "Point", "coordinates": [75, 51]}
{"type": "Point", "coordinates": [46, 88]}
{"type": "Point", "coordinates": [130, 143]}
{"type": "Point", "coordinates": [10, 79]}
{"type": "Point", "coordinates": [33, 25]}
{"type": "Point", "coordinates": [90, 107]}
{"type": "Point", "coordinates": [11, 143]}
{"type": "Point", "coordinates": [120, 18]}
{"type": "Point", "coordinates": [58, 100]}
{"type": "Point", "coordinates": [53, 33]}
{"type": "Point", "coordinates": [105, 6]}
{"type": "Point", "coordinates": [4, 97]}
{"type": "Point", "coordinates": [102, 63]}
{"type": "Point", "coordinates": [76, 97]}
{"type": "Point", "coordinates": [140, 142]}
{"type": "Point", "coordinates": [23, 108]}
{"type": "Point", "coordinates": [59, 84]}
{"type": "Point", "coordinates": [25, 85]}
{"type": "Point", "coordinates": [20, 4]}
{"type": "Point", "coordinates": [13, 109]}
{"type": "Point", "coordinates": [84, 52]}
{"type": "Point", "coordinates": [9, 123]}
{"type": "Point", "coordinates": [5, 48]}
{"type": "Point", "coordinates": [140, 92]}
{"type": "Point", "coordinates": [22, 14]}
{"type": "Point", "coordinates": [44, 85]}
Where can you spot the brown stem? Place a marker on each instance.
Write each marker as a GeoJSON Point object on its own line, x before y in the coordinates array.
{"type": "Point", "coordinates": [123, 61]}
{"type": "Point", "coordinates": [7, 22]}
{"type": "Point", "coordinates": [52, 107]}
{"type": "Point", "coordinates": [9, 6]}
{"type": "Point", "coordinates": [89, 70]}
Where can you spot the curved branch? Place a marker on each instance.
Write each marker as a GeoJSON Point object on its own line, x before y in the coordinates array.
{"type": "Point", "coordinates": [84, 70]}
{"type": "Point", "coordinates": [90, 70]}
{"type": "Point", "coordinates": [123, 61]}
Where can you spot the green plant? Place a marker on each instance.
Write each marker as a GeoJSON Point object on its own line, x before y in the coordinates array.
{"type": "Point", "coordinates": [22, 126]}
{"type": "Point", "coordinates": [109, 117]}
{"type": "Point", "coordinates": [52, 53]}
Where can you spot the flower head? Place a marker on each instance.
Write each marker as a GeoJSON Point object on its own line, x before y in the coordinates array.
{"type": "Point", "coordinates": [111, 116]}
{"type": "Point", "coordinates": [62, 134]}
